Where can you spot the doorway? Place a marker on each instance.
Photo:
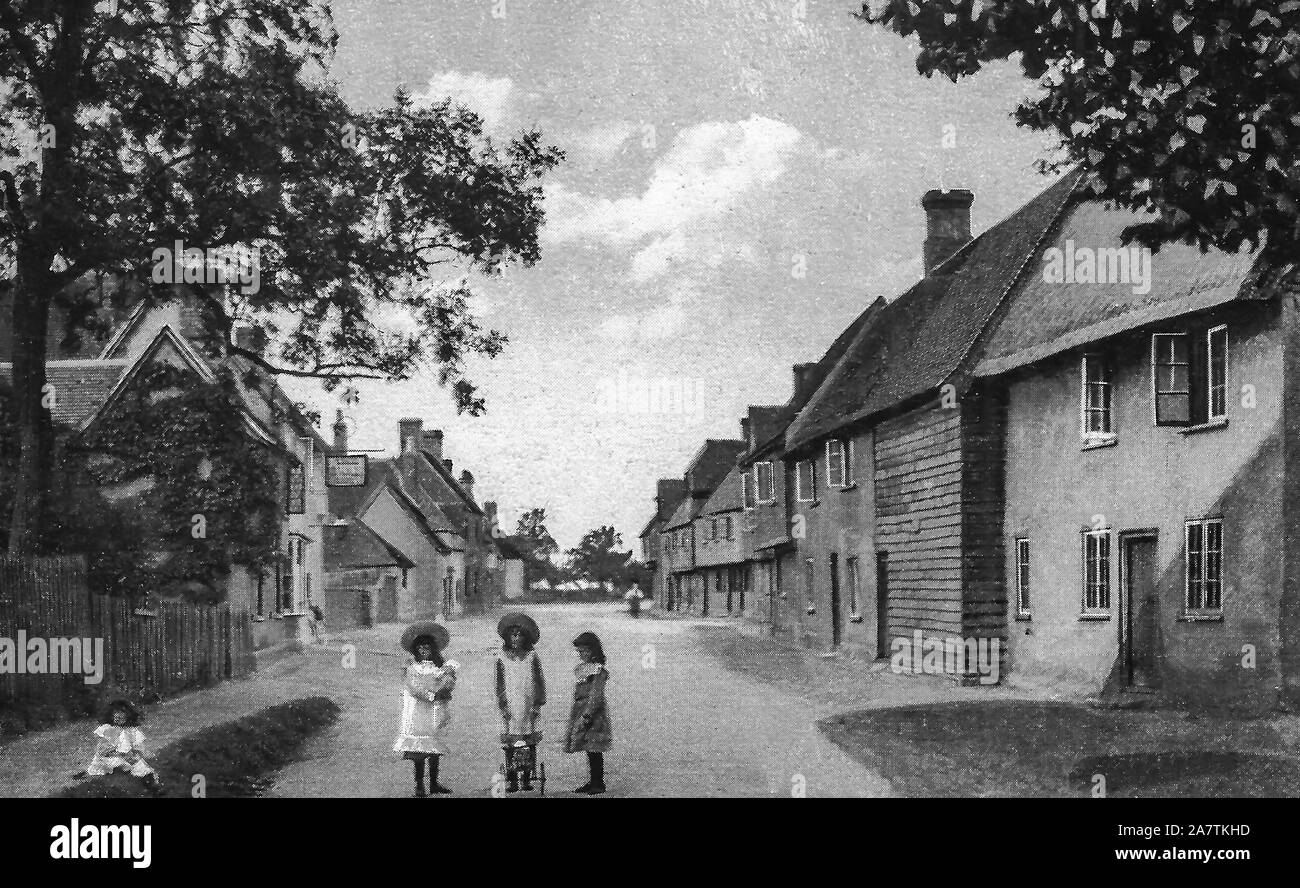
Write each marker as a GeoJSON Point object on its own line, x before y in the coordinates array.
{"type": "Point", "coordinates": [1138, 625]}
{"type": "Point", "coordinates": [882, 605]}
{"type": "Point", "coordinates": [835, 599]}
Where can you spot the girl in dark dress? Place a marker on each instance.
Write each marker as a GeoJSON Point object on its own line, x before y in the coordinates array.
{"type": "Point", "coordinates": [589, 726]}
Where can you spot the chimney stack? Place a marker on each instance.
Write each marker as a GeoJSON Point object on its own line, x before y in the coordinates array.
{"type": "Point", "coordinates": [744, 432]}
{"type": "Point", "coordinates": [446, 464]}
{"type": "Point", "coordinates": [803, 382]}
{"type": "Point", "coordinates": [433, 444]}
{"type": "Point", "coordinates": [251, 338]}
{"type": "Point", "coordinates": [947, 224]}
{"type": "Point", "coordinates": [467, 482]}
{"type": "Point", "coordinates": [409, 431]}
{"type": "Point", "coordinates": [340, 434]}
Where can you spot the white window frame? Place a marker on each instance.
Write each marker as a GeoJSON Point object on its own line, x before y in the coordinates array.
{"type": "Point", "coordinates": [1202, 567]}
{"type": "Point", "coordinates": [309, 463]}
{"type": "Point", "coordinates": [1156, 363]}
{"type": "Point", "coordinates": [849, 479]}
{"type": "Point", "coordinates": [1023, 585]}
{"type": "Point", "coordinates": [1085, 409]}
{"type": "Point", "coordinates": [1103, 585]}
{"type": "Point", "coordinates": [770, 497]}
{"type": "Point", "coordinates": [836, 447]}
{"type": "Point", "coordinates": [812, 481]}
{"type": "Point", "coordinates": [1210, 415]}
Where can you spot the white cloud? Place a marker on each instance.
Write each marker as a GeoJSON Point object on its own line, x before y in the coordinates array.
{"type": "Point", "coordinates": [488, 97]}
{"type": "Point", "coordinates": [602, 141]}
{"type": "Point", "coordinates": [662, 321]}
{"type": "Point", "coordinates": [706, 171]}
{"type": "Point", "coordinates": [677, 252]}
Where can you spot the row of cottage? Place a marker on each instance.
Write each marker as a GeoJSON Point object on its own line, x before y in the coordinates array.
{"type": "Point", "coordinates": [363, 539]}
{"type": "Point", "coordinates": [1081, 455]}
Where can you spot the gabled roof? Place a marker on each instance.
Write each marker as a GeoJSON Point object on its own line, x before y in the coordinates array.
{"type": "Point", "coordinates": [649, 526]}
{"type": "Point", "coordinates": [432, 523]}
{"type": "Point", "coordinates": [1043, 319]}
{"type": "Point", "coordinates": [922, 338]}
{"type": "Point", "coordinates": [355, 544]}
{"type": "Point", "coordinates": [778, 419]}
{"type": "Point", "coordinates": [728, 497]}
{"type": "Point", "coordinates": [80, 387]}
{"type": "Point", "coordinates": [686, 512]}
{"type": "Point", "coordinates": [192, 360]}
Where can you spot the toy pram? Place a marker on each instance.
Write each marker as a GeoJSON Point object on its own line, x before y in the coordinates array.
{"type": "Point", "coordinates": [521, 767]}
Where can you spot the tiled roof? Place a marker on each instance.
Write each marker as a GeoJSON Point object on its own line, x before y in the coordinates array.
{"type": "Point", "coordinates": [688, 509]}
{"type": "Point", "coordinates": [919, 340]}
{"type": "Point", "coordinates": [728, 497]}
{"type": "Point", "coordinates": [779, 420]}
{"type": "Point", "coordinates": [355, 544]}
{"type": "Point", "coordinates": [80, 387]}
{"type": "Point", "coordinates": [1042, 319]}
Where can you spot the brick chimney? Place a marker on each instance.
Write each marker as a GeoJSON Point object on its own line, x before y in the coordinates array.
{"type": "Point", "coordinates": [446, 464]}
{"type": "Point", "coordinates": [947, 224]}
{"type": "Point", "coordinates": [340, 434]}
{"type": "Point", "coordinates": [744, 432]}
{"type": "Point", "coordinates": [803, 381]}
{"type": "Point", "coordinates": [251, 338]}
{"type": "Point", "coordinates": [432, 444]}
{"type": "Point", "coordinates": [409, 432]}
{"type": "Point", "coordinates": [467, 482]}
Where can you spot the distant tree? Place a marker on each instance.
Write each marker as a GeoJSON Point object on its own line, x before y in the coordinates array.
{"type": "Point", "coordinates": [598, 557]}
{"type": "Point", "coordinates": [1187, 109]}
{"type": "Point", "coordinates": [538, 547]}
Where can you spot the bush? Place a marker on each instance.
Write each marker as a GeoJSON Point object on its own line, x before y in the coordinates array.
{"type": "Point", "coordinates": [235, 758]}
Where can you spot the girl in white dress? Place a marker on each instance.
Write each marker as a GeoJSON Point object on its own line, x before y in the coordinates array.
{"type": "Point", "coordinates": [426, 703]}
{"type": "Point", "coordinates": [521, 694]}
{"type": "Point", "coordinates": [121, 747]}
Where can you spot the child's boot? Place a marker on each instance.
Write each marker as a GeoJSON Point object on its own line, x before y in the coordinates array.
{"type": "Point", "coordinates": [436, 788]}
{"type": "Point", "coordinates": [419, 778]}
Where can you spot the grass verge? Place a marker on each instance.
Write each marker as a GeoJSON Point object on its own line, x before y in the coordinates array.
{"type": "Point", "coordinates": [235, 759]}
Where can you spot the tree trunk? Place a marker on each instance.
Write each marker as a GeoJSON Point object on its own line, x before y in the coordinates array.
{"type": "Point", "coordinates": [31, 318]}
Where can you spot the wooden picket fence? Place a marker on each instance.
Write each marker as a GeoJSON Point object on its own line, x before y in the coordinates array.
{"type": "Point", "coordinates": [163, 649]}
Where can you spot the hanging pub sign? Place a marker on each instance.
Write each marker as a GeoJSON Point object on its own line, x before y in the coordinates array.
{"type": "Point", "coordinates": [346, 471]}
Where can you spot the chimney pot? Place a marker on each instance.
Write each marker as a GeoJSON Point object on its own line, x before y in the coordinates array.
{"type": "Point", "coordinates": [340, 434]}
{"type": "Point", "coordinates": [467, 482]}
{"type": "Point", "coordinates": [446, 464]}
{"type": "Point", "coordinates": [744, 431]}
{"type": "Point", "coordinates": [947, 225]}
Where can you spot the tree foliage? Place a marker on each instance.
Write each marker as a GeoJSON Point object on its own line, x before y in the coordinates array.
{"type": "Point", "coordinates": [136, 124]}
{"type": "Point", "coordinates": [1186, 109]}
{"type": "Point", "coordinates": [598, 558]}
{"type": "Point", "coordinates": [537, 546]}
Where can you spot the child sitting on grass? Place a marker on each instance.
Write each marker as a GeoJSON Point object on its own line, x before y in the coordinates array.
{"type": "Point", "coordinates": [121, 747]}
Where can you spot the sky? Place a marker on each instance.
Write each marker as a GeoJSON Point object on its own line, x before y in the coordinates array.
{"type": "Point", "coordinates": [742, 178]}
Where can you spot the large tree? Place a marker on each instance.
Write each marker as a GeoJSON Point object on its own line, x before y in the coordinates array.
{"type": "Point", "coordinates": [598, 557]}
{"type": "Point", "coordinates": [135, 124]}
{"type": "Point", "coordinates": [1184, 108]}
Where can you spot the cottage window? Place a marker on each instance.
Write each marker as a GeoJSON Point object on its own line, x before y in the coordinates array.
{"type": "Point", "coordinates": [747, 490]}
{"type": "Point", "coordinates": [1096, 571]}
{"type": "Point", "coordinates": [1096, 398]}
{"type": "Point", "coordinates": [309, 461]}
{"type": "Point", "coordinates": [852, 568]}
{"type": "Point", "coordinates": [1022, 577]}
{"type": "Point", "coordinates": [837, 463]}
{"type": "Point", "coordinates": [1204, 564]}
{"type": "Point", "coordinates": [806, 480]}
{"type": "Point", "coordinates": [765, 481]}
{"type": "Point", "coordinates": [296, 503]}
{"type": "Point", "coordinates": [713, 529]}
{"type": "Point", "coordinates": [726, 527]}
{"type": "Point", "coordinates": [1190, 376]}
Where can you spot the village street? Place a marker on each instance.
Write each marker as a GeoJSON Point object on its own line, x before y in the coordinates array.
{"type": "Point", "coordinates": [686, 727]}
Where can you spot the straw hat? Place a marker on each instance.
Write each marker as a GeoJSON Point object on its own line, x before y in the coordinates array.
{"type": "Point", "coordinates": [524, 622]}
{"type": "Point", "coordinates": [438, 632]}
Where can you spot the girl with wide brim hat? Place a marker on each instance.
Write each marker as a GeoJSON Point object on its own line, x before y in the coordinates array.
{"type": "Point", "coordinates": [521, 621]}
{"type": "Point", "coordinates": [438, 632]}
